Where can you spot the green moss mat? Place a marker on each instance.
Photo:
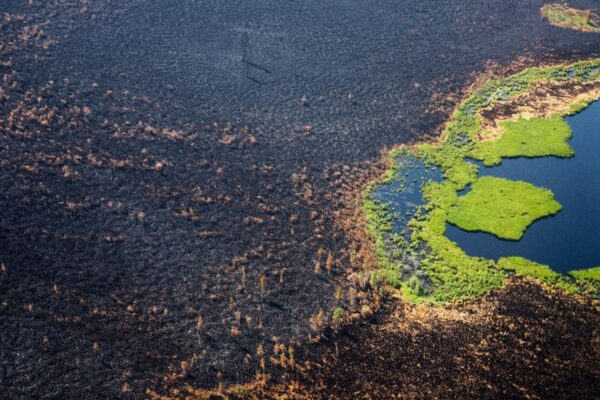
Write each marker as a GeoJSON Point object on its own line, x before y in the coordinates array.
{"type": "Point", "coordinates": [502, 207]}
{"type": "Point", "coordinates": [589, 279]}
{"type": "Point", "coordinates": [447, 273]}
{"type": "Point", "coordinates": [535, 137]}
{"type": "Point", "coordinates": [524, 267]}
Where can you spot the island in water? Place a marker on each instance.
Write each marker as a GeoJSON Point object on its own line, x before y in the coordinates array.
{"type": "Point", "coordinates": [521, 117]}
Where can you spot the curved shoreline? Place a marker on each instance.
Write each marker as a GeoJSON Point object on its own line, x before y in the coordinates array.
{"type": "Point", "coordinates": [446, 272]}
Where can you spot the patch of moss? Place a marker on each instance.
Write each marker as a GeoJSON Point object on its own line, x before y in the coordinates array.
{"type": "Point", "coordinates": [535, 137]}
{"type": "Point", "coordinates": [524, 267]}
{"type": "Point", "coordinates": [454, 274]}
{"type": "Point", "coordinates": [448, 273]}
{"type": "Point", "coordinates": [338, 313]}
{"type": "Point", "coordinates": [564, 16]}
{"type": "Point", "coordinates": [589, 278]}
{"type": "Point", "coordinates": [502, 207]}
{"type": "Point", "coordinates": [591, 274]}
{"type": "Point", "coordinates": [239, 391]}
{"type": "Point", "coordinates": [380, 225]}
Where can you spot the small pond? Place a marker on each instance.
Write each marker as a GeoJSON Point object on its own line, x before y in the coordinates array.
{"type": "Point", "coordinates": [402, 195]}
{"type": "Point", "coordinates": [570, 239]}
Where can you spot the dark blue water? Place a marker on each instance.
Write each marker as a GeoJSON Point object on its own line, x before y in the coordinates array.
{"type": "Point", "coordinates": [402, 194]}
{"type": "Point", "coordinates": [570, 239]}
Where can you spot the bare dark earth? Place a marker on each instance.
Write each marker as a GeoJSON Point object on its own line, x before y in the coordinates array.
{"type": "Point", "coordinates": [164, 191]}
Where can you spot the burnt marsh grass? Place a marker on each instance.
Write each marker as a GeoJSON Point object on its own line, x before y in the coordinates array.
{"type": "Point", "coordinates": [502, 207]}
{"type": "Point", "coordinates": [563, 16]}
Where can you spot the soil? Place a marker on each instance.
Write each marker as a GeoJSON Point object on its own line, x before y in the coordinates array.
{"type": "Point", "coordinates": [165, 192]}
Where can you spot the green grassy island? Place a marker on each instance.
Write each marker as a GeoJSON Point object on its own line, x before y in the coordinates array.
{"type": "Point", "coordinates": [499, 206]}
{"type": "Point", "coordinates": [502, 207]}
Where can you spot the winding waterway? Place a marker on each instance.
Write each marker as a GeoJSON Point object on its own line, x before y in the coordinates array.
{"type": "Point", "coordinates": [570, 239]}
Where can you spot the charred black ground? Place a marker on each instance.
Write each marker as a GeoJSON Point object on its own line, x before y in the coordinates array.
{"type": "Point", "coordinates": [521, 341]}
{"type": "Point", "coordinates": [164, 191]}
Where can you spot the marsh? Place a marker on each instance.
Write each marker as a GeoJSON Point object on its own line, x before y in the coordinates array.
{"type": "Point", "coordinates": [571, 238]}
{"type": "Point", "coordinates": [162, 205]}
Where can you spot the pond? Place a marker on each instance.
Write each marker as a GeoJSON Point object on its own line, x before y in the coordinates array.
{"type": "Point", "coordinates": [570, 239]}
{"type": "Point", "coordinates": [402, 195]}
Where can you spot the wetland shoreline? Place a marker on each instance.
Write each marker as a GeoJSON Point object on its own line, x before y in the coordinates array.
{"type": "Point", "coordinates": [532, 127]}
{"type": "Point", "coordinates": [167, 221]}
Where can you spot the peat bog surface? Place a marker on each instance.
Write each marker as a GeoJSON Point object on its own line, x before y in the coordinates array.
{"type": "Point", "coordinates": [165, 191]}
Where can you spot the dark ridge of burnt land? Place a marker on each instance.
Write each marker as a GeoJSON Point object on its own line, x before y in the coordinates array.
{"type": "Point", "coordinates": [165, 191]}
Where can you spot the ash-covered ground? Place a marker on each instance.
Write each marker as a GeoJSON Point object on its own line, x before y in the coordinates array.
{"type": "Point", "coordinates": [170, 170]}
{"type": "Point", "coordinates": [519, 342]}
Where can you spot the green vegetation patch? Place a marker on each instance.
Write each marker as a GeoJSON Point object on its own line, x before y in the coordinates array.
{"type": "Point", "coordinates": [535, 137]}
{"type": "Point", "coordinates": [589, 279]}
{"type": "Point", "coordinates": [564, 16]}
{"type": "Point", "coordinates": [524, 267]}
{"type": "Point", "coordinates": [591, 274]}
{"type": "Point", "coordinates": [443, 272]}
{"type": "Point", "coordinates": [338, 314]}
{"type": "Point", "coordinates": [502, 207]}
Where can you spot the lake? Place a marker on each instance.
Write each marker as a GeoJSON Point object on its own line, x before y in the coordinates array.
{"type": "Point", "coordinates": [570, 239]}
